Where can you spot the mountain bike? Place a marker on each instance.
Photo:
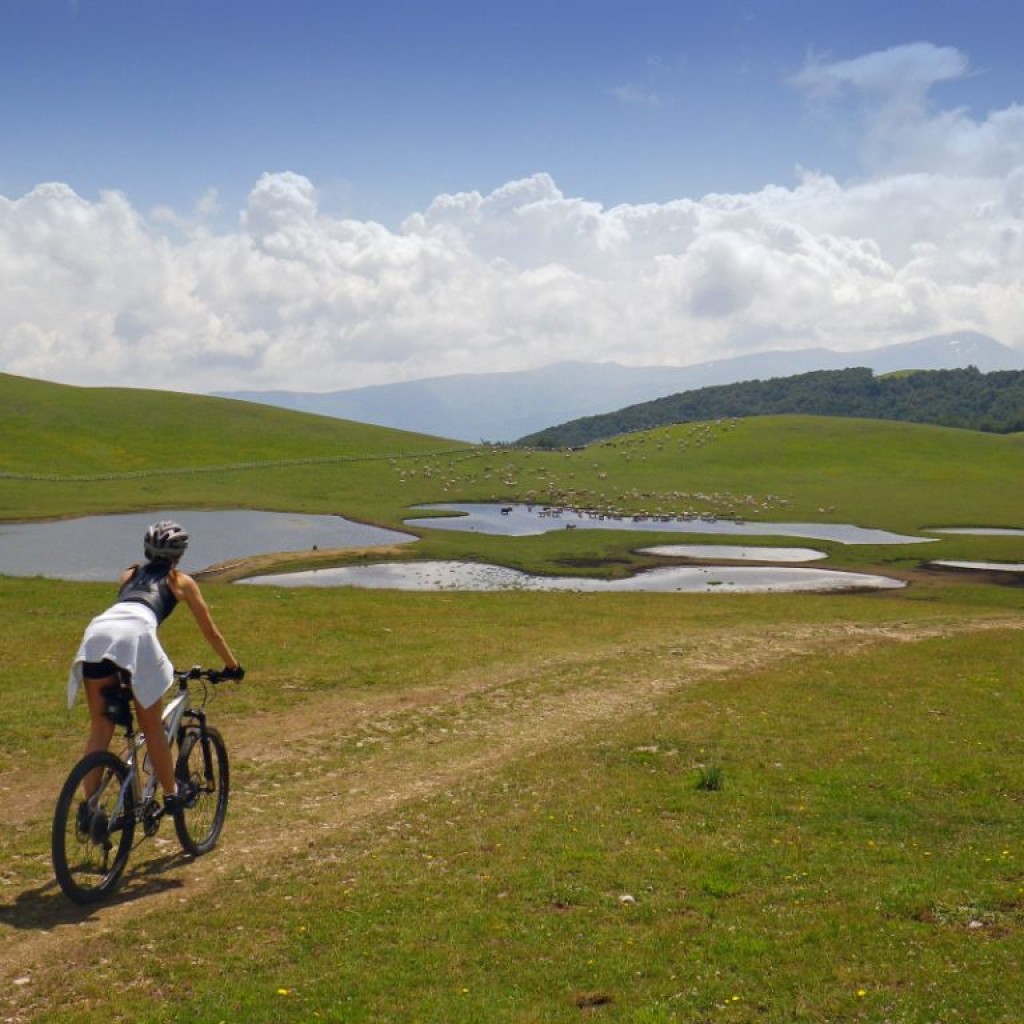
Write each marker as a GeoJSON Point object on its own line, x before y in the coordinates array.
{"type": "Point", "coordinates": [92, 838]}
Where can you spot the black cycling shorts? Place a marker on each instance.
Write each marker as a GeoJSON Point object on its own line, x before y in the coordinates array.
{"type": "Point", "coordinates": [99, 669]}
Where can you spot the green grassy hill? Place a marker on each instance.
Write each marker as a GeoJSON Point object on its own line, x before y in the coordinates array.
{"type": "Point", "coordinates": [952, 398]}
{"type": "Point", "coordinates": [55, 428]}
{"type": "Point", "coordinates": [79, 450]}
{"type": "Point", "coordinates": [469, 807]}
{"type": "Point", "coordinates": [70, 450]}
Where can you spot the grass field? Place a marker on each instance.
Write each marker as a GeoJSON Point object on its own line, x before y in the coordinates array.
{"type": "Point", "coordinates": [548, 807]}
{"type": "Point", "coordinates": [69, 455]}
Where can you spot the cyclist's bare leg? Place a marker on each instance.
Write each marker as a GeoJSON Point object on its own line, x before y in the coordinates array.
{"type": "Point", "coordinates": [160, 757]}
{"type": "Point", "coordinates": [101, 729]}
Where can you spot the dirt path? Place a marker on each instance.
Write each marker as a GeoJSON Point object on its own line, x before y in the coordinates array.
{"type": "Point", "coordinates": [338, 763]}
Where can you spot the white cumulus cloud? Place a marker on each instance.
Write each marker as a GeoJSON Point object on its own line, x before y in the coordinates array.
{"type": "Point", "coordinates": [901, 131]}
{"type": "Point", "coordinates": [894, 75]}
{"type": "Point", "coordinates": [932, 239]}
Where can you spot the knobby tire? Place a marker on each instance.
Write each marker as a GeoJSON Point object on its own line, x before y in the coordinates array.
{"type": "Point", "coordinates": [88, 862]}
{"type": "Point", "coordinates": [202, 768]}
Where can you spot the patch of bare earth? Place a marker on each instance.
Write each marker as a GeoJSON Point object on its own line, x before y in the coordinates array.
{"type": "Point", "coordinates": [331, 766]}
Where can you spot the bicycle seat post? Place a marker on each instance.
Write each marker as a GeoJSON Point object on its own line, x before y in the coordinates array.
{"type": "Point", "coordinates": [117, 704]}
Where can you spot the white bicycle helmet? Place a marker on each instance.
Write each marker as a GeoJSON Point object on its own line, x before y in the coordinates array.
{"type": "Point", "coordinates": [165, 539]}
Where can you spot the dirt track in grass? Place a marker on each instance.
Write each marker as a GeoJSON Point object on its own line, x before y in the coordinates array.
{"type": "Point", "coordinates": [325, 769]}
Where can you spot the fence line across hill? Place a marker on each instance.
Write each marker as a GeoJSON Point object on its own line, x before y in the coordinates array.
{"type": "Point", "coordinates": [235, 466]}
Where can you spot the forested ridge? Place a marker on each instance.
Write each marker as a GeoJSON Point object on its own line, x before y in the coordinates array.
{"type": "Point", "coordinates": [966, 398]}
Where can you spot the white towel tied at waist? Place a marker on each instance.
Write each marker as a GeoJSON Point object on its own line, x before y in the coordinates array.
{"type": "Point", "coordinates": [126, 635]}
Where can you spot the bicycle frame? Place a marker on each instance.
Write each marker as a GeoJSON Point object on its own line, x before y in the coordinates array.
{"type": "Point", "coordinates": [92, 838]}
{"type": "Point", "coordinates": [136, 758]}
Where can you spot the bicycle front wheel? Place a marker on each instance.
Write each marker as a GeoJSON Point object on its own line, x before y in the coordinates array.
{"type": "Point", "coordinates": [202, 771]}
{"type": "Point", "coordinates": [92, 838]}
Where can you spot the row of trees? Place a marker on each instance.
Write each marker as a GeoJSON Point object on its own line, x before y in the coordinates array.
{"type": "Point", "coordinates": [966, 398]}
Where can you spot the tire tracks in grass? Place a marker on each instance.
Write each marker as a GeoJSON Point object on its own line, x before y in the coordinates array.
{"type": "Point", "coordinates": [305, 778]}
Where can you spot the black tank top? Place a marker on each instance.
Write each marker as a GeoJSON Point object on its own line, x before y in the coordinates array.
{"type": "Point", "coordinates": [148, 585]}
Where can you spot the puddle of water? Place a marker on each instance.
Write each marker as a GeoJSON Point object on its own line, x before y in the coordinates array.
{"type": "Point", "coordinates": [530, 520]}
{"type": "Point", "coordinates": [736, 554]}
{"type": "Point", "coordinates": [977, 531]}
{"type": "Point", "coordinates": [467, 576]}
{"type": "Point", "coordinates": [99, 547]}
{"type": "Point", "coordinates": [997, 566]}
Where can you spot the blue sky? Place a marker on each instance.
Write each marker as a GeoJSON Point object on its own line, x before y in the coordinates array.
{"type": "Point", "coordinates": [374, 110]}
{"type": "Point", "coordinates": [386, 104]}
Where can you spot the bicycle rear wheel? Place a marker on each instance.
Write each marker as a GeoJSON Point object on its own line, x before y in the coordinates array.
{"type": "Point", "coordinates": [91, 840]}
{"type": "Point", "coordinates": [202, 770]}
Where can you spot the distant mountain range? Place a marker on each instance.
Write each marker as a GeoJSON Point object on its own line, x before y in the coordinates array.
{"type": "Point", "coordinates": [506, 406]}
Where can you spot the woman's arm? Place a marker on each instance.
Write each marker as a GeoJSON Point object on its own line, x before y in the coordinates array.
{"type": "Point", "coordinates": [186, 589]}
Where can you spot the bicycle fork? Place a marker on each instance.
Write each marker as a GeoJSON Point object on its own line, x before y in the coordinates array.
{"type": "Point", "coordinates": [197, 718]}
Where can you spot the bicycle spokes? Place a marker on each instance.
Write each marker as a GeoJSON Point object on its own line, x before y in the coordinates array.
{"type": "Point", "coordinates": [202, 772]}
{"type": "Point", "coordinates": [91, 839]}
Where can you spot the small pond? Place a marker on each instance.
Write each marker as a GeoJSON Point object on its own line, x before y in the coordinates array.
{"type": "Point", "coordinates": [467, 576]}
{"type": "Point", "coordinates": [530, 520]}
{"type": "Point", "coordinates": [977, 531]}
{"type": "Point", "coordinates": [986, 566]}
{"type": "Point", "coordinates": [728, 553]}
{"type": "Point", "coordinates": [99, 547]}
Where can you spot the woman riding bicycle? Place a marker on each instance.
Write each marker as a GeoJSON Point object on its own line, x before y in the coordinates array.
{"type": "Point", "coordinates": [123, 639]}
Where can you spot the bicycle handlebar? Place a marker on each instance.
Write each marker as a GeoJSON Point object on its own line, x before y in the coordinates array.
{"type": "Point", "coordinates": [210, 675]}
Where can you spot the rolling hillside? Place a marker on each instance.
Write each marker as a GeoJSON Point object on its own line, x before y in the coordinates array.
{"type": "Point", "coordinates": [80, 450]}
{"type": "Point", "coordinates": [952, 398]}
{"type": "Point", "coordinates": [534, 806]}
{"type": "Point", "coordinates": [55, 427]}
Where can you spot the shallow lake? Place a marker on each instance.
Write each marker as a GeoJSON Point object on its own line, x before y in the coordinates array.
{"type": "Point", "coordinates": [99, 547]}
{"type": "Point", "coordinates": [530, 520]}
{"type": "Point", "coordinates": [684, 579]}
